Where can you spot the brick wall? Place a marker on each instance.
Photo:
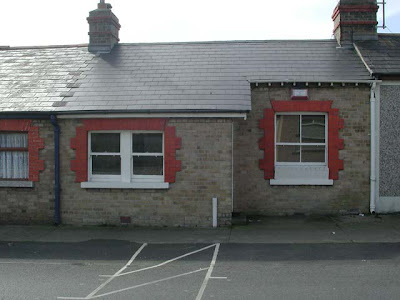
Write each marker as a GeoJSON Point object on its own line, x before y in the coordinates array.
{"type": "Point", "coordinates": [206, 172]}
{"type": "Point", "coordinates": [33, 205]}
{"type": "Point", "coordinates": [253, 194]}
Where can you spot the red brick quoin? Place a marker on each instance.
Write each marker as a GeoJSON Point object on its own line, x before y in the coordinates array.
{"type": "Point", "coordinates": [35, 143]}
{"type": "Point", "coordinates": [267, 142]}
{"type": "Point", "coordinates": [80, 143]}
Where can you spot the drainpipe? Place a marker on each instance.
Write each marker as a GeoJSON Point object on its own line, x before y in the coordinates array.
{"type": "Point", "coordinates": [372, 204]}
{"type": "Point", "coordinates": [57, 219]}
{"type": "Point", "coordinates": [232, 167]}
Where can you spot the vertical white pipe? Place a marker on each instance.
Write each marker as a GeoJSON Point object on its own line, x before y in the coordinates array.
{"type": "Point", "coordinates": [215, 211]}
{"type": "Point", "coordinates": [372, 204]}
{"type": "Point", "coordinates": [232, 169]}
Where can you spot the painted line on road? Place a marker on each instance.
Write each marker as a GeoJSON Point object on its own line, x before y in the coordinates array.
{"type": "Point", "coordinates": [90, 296]}
{"type": "Point", "coordinates": [218, 277]}
{"type": "Point", "coordinates": [163, 263]}
{"type": "Point", "coordinates": [34, 263]}
{"type": "Point", "coordinates": [117, 273]}
{"type": "Point", "coordinates": [209, 272]}
{"type": "Point", "coordinates": [147, 283]}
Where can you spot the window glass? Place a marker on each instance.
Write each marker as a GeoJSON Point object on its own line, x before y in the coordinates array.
{"type": "Point", "coordinates": [287, 129]}
{"type": "Point", "coordinates": [147, 143]}
{"type": "Point", "coordinates": [106, 165]}
{"type": "Point", "coordinates": [147, 165]}
{"type": "Point", "coordinates": [313, 153]}
{"type": "Point", "coordinates": [285, 153]}
{"type": "Point", "coordinates": [14, 163]}
{"type": "Point", "coordinates": [313, 129]}
{"type": "Point", "coordinates": [13, 140]}
{"type": "Point", "coordinates": [105, 142]}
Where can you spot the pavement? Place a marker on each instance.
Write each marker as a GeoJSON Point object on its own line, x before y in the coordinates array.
{"type": "Point", "coordinates": [259, 230]}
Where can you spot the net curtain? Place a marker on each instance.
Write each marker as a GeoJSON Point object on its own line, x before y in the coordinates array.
{"type": "Point", "coordinates": [14, 164]}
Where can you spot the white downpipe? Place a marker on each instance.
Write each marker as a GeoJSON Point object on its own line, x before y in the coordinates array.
{"type": "Point", "coordinates": [372, 204]}
{"type": "Point", "coordinates": [215, 212]}
{"type": "Point", "coordinates": [232, 169]}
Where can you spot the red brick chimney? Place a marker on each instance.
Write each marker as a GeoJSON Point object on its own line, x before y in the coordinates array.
{"type": "Point", "coordinates": [355, 20]}
{"type": "Point", "coordinates": [103, 28]}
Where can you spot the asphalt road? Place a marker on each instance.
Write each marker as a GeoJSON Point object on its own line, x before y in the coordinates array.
{"type": "Point", "coordinates": [109, 269]}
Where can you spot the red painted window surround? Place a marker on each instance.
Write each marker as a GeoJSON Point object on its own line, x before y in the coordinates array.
{"type": "Point", "coordinates": [80, 143]}
{"type": "Point", "coordinates": [35, 143]}
{"type": "Point", "coordinates": [267, 143]}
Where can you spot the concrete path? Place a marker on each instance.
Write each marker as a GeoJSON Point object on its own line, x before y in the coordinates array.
{"type": "Point", "coordinates": [266, 230]}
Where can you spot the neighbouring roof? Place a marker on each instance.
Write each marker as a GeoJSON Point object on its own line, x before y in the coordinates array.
{"type": "Point", "coordinates": [202, 76]}
{"type": "Point", "coordinates": [383, 55]}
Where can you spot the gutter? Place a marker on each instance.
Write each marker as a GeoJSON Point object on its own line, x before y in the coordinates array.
{"type": "Point", "coordinates": [57, 218]}
{"type": "Point", "coordinates": [373, 150]}
{"type": "Point", "coordinates": [8, 115]}
{"type": "Point", "coordinates": [128, 114]}
{"type": "Point", "coordinates": [369, 81]}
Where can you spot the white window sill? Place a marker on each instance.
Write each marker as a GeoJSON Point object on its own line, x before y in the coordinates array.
{"type": "Point", "coordinates": [124, 185]}
{"type": "Point", "coordinates": [301, 182]}
{"type": "Point", "coordinates": [16, 183]}
{"type": "Point", "coordinates": [301, 175]}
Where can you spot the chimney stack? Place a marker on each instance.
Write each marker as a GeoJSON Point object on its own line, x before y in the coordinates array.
{"type": "Point", "coordinates": [103, 29]}
{"type": "Point", "coordinates": [355, 20]}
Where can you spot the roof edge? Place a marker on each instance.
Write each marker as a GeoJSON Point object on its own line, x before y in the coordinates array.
{"type": "Point", "coordinates": [3, 48]}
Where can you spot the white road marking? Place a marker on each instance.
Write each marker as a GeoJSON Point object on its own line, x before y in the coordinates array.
{"type": "Point", "coordinates": [209, 272]}
{"type": "Point", "coordinates": [164, 263]}
{"type": "Point", "coordinates": [34, 263]}
{"type": "Point", "coordinates": [112, 277]}
{"type": "Point", "coordinates": [208, 276]}
{"type": "Point", "coordinates": [117, 273]}
{"type": "Point", "coordinates": [147, 283]}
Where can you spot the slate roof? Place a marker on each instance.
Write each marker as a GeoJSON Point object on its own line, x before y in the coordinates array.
{"type": "Point", "coordinates": [203, 76]}
{"type": "Point", "coordinates": [382, 56]}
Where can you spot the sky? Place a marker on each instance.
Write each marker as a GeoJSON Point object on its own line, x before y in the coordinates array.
{"type": "Point", "coordinates": [63, 22]}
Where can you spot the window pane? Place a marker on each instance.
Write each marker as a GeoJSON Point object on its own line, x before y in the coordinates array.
{"type": "Point", "coordinates": [13, 140]}
{"type": "Point", "coordinates": [287, 129]}
{"type": "Point", "coordinates": [313, 129]}
{"type": "Point", "coordinates": [313, 153]}
{"type": "Point", "coordinates": [288, 153]}
{"type": "Point", "coordinates": [106, 165]}
{"type": "Point", "coordinates": [148, 165]}
{"type": "Point", "coordinates": [105, 142]}
{"type": "Point", "coordinates": [147, 143]}
{"type": "Point", "coordinates": [14, 165]}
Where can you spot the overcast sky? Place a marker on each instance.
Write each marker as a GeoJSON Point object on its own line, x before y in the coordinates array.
{"type": "Point", "coordinates": [60, 22]}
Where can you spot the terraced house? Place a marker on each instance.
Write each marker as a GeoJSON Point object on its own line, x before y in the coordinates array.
{"type": "Point", "coordinates": [150, 134]}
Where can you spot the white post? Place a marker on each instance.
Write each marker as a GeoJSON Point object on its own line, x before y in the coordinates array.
{"type": "Point", "coordinates": [215, 211]}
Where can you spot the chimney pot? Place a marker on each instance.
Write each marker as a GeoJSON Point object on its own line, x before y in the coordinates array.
{"type": "Point", "coordinates": [102, 5]}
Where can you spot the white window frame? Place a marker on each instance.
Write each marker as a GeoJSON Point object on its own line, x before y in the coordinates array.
{"type": "Point", "coordinates": [301, 173]}
{"type": "Point", "coordinates": [300, 114]}
{"type": "Point", "coordinates": [127, 179]}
